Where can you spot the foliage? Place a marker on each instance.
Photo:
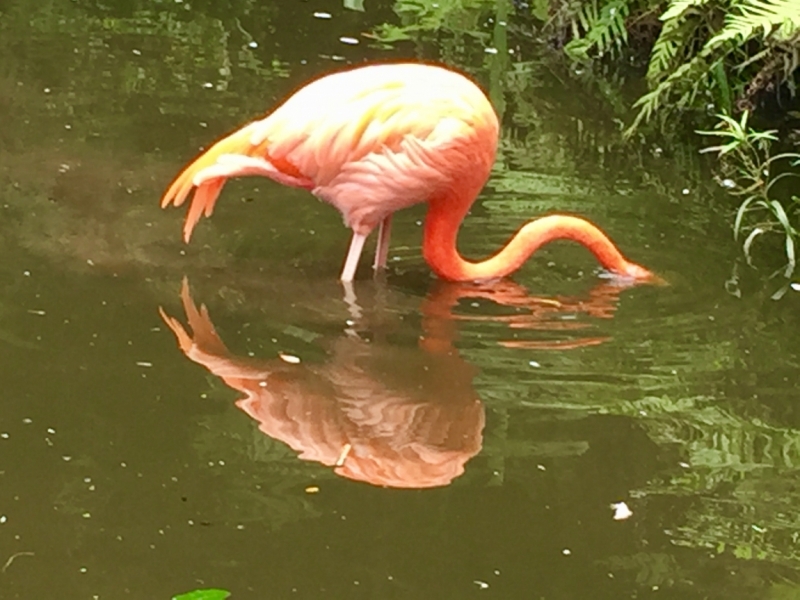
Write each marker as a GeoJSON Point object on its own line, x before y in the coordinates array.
{"type": "Point", "coordinates": [746, 153]}
{"type": "Point", "coordinates": [600, 29]}
{"type": "Point", "coordinates": [695, 61]}
{"type": "Point", "coordinates": [206, 594]}
{"type": "Point", "coordinates": [703, 53]}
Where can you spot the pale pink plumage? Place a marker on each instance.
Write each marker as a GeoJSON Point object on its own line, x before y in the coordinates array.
{"type": "Point", "coordinates": [377, 139]}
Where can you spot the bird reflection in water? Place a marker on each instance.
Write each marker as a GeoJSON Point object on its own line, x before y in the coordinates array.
{"type": "Point", "coordinates": [376, 412]}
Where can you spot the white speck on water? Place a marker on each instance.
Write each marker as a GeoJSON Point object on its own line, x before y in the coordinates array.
{"type": "Point", "coordinates": [83, 569]}
{"type": "Point", "coordinates": [26, 273]}
{"type": "Point", "coordinates": [262, 384]}
{"type": "Point", "coordinates": [143, 363]}
{"type": "Point", "coordinates": [46, 90]}
{"type": "Point", "coordinates": [137, 52]}
{"type": "Point", "coordinates": [728, 183]}
{"type": "Point", "coordinates": [481, 584]}
{"type": "Point", "coordinates": [240, 527]}
{"type": "Point", "coordinates": [795, 287]}
{"type": "Point", "coordinates": [541, 467]}
{"type": "Point", "coordinates": [685, 465]}
{"type": "Point", "coordinates": [289, 358]}
{"type": "Point", "coordinates": [87, 515]}
{"type": "Point", "coordinates": [566, 552]}
{"type": "Point", "coordinates": [253, 44]}
{"type": "Point", "coordinates": [348, 40]}
{"type": "Point", "coordinates": [123, 465]}
{"type": "Point", "coordinates": [621, 511]}
{"type": "Point", "coordinates": [685, 191]}
{"type": "Point", "coordinates": [4, 435]}
{"type": "Point", "coordinates": [490, 50]}
{"type": "Point", "coordinates": [3, 519]}
{"type": "Point", "coordinates": [323, 15]}
{"type": "Point", "coordinates": [533, 363]}
{"type": "Point", "coordinates": [51, 431]}
{"type": "Point", "coordinates": [90, 262]}
{"type": "Point", "coordinates": [27, 421]}
{"type": "Point", "coordinates": [496, 572]}
{"type": "Point", "coordinates": [33, 311]}
{"type": "Point", "coordinates": [66, 458]}
{"type": "Point", "coordinates": [208, 85]}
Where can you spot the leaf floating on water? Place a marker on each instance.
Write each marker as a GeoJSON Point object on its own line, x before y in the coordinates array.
{"type": "Point", "coordinates": [621, 511]}
{"type": "Point", "coordinates": [209, 594]}
{"type": "Point", "coordinates": [289, 358]}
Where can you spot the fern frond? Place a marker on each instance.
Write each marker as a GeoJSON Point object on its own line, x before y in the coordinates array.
{"type": "Point", "coordinates": [779, 16]}
{"type": "Point", "coordinates": [603, 29]}
{"type": "Point", "coordinates": [678, 7]}
{"type": "Point", "coordinates": [691, 71]}
{"type": "Point", "coordinates": [675, 35]}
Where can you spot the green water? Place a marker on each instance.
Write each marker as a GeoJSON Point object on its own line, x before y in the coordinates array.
{"type": "Point", "coordinates": [481, 432]}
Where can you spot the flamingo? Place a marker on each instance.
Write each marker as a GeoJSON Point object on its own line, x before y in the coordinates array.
{"type": "Point", "coordinates": [374, 140]}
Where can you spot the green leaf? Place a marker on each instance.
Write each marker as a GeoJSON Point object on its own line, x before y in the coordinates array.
{"type": "Point", "coordinates": [737, 224]}
{"type": "Point", "coordinates": [749, 242]}
{"type": "Point", "coordinates": [780, 214]}
{"type": "Point", "coordinates": [780, 16]}
{"type": "Point", "coordinates": [354, 5]}
{"type": "Point", "coordinates": [678, 7]}
{"type": "Point", "coordinates": [540, 9]}
{"type": "Point", "coordinates": [208, 594]}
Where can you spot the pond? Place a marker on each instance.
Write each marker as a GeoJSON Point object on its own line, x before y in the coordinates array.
{"type": "Point", "coordinates": [403, 438]}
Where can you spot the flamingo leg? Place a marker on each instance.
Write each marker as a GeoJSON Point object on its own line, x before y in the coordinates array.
{"type": "Point", "coordinates": [382, 249]}
{"type": "Point", "coordinates": [353, 254]}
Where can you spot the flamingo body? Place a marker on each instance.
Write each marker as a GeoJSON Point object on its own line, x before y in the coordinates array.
{"type": "Point", "coordinates": [372, 141]}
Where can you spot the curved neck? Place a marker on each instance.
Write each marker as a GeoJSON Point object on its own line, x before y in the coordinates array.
{"type": "Point", "coordinates": [441, 230]}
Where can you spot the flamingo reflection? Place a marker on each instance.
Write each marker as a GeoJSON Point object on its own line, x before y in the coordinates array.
{"type": "Point", "coordinates": [377, 413]}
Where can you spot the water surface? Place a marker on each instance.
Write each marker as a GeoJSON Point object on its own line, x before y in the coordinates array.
{"type": "Point", "coordinates": [489, 427]}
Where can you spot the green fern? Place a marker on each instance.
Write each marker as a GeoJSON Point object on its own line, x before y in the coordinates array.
{"type": "Point", "coordinates": [676, 69]}
{"type": "Point", "coordinates": [679, 30]}
{"type": "Point", "coordinates": [779, 16]}
{"type": "Point", "coordinates": [670, 46]}
{"type": "Point", "coordinates": [678, 8]}
{"type": "Point", "coordinates": [601, 29]}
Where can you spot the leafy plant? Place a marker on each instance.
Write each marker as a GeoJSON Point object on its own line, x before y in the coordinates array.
{"type": "Point", "coordinates": [600, 29]}
{"type": "Point", "coordinates": [747, 152]}
{"type": "Point", "coordinates": [694, 60]}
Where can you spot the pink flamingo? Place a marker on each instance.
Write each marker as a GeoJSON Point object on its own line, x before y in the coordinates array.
{"type": "Point", "coordinates": [377, 139]}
